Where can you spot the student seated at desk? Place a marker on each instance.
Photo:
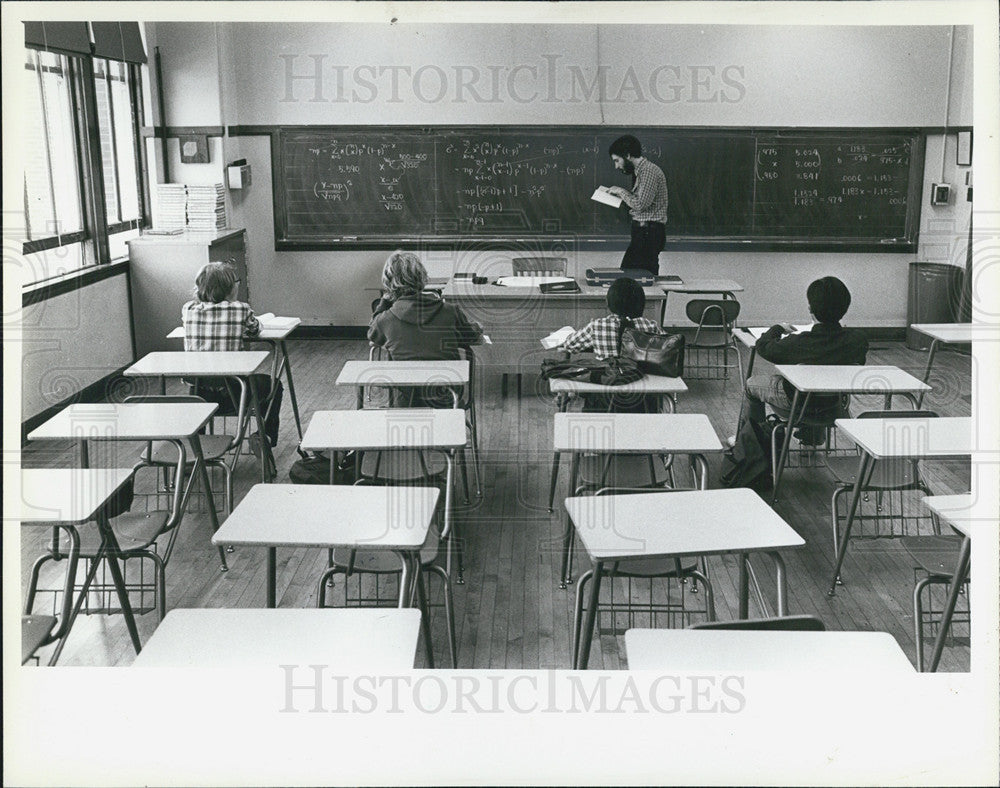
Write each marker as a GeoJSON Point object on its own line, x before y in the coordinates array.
{"type": "Point", "coordinates": [216, 320]}
{"type": "Point", "coordinates": [827, 342]}
{"type": "Point", "coordinates": [413, 324]}
{"type": "Point", "coordinates": [603, 336]}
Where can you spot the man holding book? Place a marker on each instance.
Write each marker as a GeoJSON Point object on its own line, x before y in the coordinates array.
{"type": "Point", "coordinates": [647, 201]}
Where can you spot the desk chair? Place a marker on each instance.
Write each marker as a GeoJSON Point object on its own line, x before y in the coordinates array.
{"type": "Point", "coordinates": [137, 533]}
{"type": "Point", "coordinates": [379, 563]}
{"type": "Point", "coordinates": [467, 402]}
{"type": "Point", "coordinates": [715, 320]}
{"type": "Point", "coordinates": [800, 623]}
{"type": "Point", "coordinates": [639, 568]}
{"type": "Point", "coordinates": [888, 480]}
{"type": "Point", "coordinates": [163, 454]}
{"type": "Point", "coordinates": [806, 429]}
{"type": "Point", "coordinates": [936, 559]}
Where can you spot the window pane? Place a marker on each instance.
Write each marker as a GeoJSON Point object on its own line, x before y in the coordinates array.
{"type": "Point", "coordinates": [54, 262]}
{"type": "Point", "coordinates": [51, 204]}
{"type": "Point", "coordinates": [105, 128]}
{"type": "Point", "coordinates": [127, 145]}
{"type": "Point", "coordinates": [118, 140]}
{"type": "Point", "coordinates": [62, 142]}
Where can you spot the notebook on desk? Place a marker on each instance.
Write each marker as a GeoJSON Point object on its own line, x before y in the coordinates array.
{"type": "Point", "coordinates": [670, 279]}
{"type": "Point", "coordinates": [758, 331]}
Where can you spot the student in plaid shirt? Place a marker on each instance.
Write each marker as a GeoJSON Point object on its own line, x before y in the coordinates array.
{"type": "Point", "coordinates": [216, 320]}
{"type": "Point", "coordinates": [603, 336]}
{"type": "Point", "coordinates": [627, 302]}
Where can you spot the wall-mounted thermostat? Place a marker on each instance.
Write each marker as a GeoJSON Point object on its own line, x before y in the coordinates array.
{"type": "Point", "coordinates": [940, 193]}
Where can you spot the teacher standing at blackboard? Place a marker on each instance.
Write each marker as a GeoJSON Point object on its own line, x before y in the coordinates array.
{"type": "Point", "coordinates": [647, 201]}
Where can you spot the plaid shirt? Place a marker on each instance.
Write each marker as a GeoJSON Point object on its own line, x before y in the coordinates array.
{"type": "Point", "coordinates": [601, 335]}
{"type": "Point", "coordinates": [648, 197]}
{"type": "Point", "coordinates": [219, 326]}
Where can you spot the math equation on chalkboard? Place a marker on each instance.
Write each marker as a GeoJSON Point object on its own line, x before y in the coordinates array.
{"type": "Point", "coordinates": [386, 184]}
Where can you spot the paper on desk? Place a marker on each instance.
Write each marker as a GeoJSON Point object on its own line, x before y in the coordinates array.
{"type": "Point", "coordinates": [759, 331]}
{"type": "Point", "coordinates": [530, 281]}
{"type": "Point", "coordinates": [602, 195]}
{"type": "Point", "coordinates": [487, 340]}
{"type": "Point", "coordinates": [557, 337]}
{"type": "Point", "coordinates": [268, 320]}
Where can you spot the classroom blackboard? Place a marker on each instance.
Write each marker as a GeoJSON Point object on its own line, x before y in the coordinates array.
{"type": "Point", "coordinates": [377, 187]}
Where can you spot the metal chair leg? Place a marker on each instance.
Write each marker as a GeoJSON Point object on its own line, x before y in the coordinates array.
{"type": "Point", "coordinates": [578, 611]}
{"type": "Point", "coordinates": [425, 620]}
{"type": "Point", "coordinates": [918, 620]}
{"type": "Point", "coordinates": [449, 612]}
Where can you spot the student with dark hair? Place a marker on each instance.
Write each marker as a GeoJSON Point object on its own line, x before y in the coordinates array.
{"type": "Point", "coordinates": [827, 342]}
{"type": "Point", "coordinates": [217, 320]}
{"type": "Point", "coordinates": [603, 336]}
{"type": "Point", "coordinates": [647, 201]}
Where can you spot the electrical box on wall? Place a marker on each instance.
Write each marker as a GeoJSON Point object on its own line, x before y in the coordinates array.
{"type": "Point", "coordinates": [940, 193]}
{"type": "Point", "coordinates": [238, 174]}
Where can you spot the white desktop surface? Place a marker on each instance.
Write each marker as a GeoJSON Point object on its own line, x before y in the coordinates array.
{"type": "Point", "coordinates": [141, 421]}
{"type": "Point", "coordinates": [698, 522]}
{"type": "Point", "coordinates": [847, 378]}
{"type": "Point", "coordinates": [386, 428]}
{"type": "Point", "coordinates": [930, 438]}
{"type": "Point", "coordinates": [344, 640]}
{"type": "Point", "coordinates": [728, 651]}
{"type": "Point", "coordinates": [319, 515]}
{"type": "Point", "coordinates": [640, 433]}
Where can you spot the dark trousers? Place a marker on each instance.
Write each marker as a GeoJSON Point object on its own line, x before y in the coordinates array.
{"type": "Point", "coordinates": [648, 241]}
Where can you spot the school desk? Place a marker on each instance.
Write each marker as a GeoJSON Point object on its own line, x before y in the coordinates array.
{"type": "Point", "coordinates": [655, 385]}
{"type": "Point", "coordinates": [389, 429]}
{"type": "Point", "coordinates": [275, 337]}
{"type": "Point", "coordinates": [65, 498]}
{"type": "Point", "coordinates": [342, 640]}
{"type": "Point", "coordinates": [810, 379]}
{"type": "Point", "coordinates": [456, 376]}
{"type": "Point", "coordinates": [955, 511]}
{"type": "Point", "coordinates": [236, 364]}
{"type": "Point", "coordinates": [729, 651]}
{"type": "Point", "coordinates": [678, 524]}
{"type": "Point", "coordinates": [607, 434]}
{"type": "Point", "coordinates": [330, 516]}
{"type": "Point", "coordinates": [947, 334]}
{"type": "Point", "coordinates": [899, 439]}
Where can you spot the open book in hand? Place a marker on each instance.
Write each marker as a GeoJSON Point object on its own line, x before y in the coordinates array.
{"type": "Point", "coordinates": [268, 320]}
{"type": "Point", "coordinates": [602, 195]}
{"type": "Point", "coordinates": [557, 337]}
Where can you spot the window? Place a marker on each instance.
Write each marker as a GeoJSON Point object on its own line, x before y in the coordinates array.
{"type": "Point", "coordinates": [84, 194]}
{"type": "Point", "coordinates": [119, 140]}
{"type": "Point", "coordinates": [53, 207]}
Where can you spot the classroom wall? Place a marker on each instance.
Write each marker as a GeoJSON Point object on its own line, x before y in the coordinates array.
{"type": "Point", "coordinates": [71, 341]}
{"type": "Point", "coordinates": [568, 74]}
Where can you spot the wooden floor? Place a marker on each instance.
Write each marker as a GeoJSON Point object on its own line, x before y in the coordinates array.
{"type": "Point", "coordinates": [511, 612]}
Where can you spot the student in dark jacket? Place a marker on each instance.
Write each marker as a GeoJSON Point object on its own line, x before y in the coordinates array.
{"type": "Point", "coordinates": [414, 325]}
{"type": "Point", "coordinates": [828, 342]}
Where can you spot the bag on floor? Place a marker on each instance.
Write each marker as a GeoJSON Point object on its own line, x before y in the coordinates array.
{"type": "Point", "coordinates": [315, 469]}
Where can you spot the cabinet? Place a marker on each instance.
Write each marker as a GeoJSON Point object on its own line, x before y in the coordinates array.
{"type": "Point", "coordinates": [162, 271]}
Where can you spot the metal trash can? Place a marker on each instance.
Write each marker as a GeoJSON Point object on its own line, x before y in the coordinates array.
{"type": "Point", "coordinates": [935, 292]}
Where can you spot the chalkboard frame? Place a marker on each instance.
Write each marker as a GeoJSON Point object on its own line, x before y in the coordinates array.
{"type": "Point", "coordinates": [556, 243]}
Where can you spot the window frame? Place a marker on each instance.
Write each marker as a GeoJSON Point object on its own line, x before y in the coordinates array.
{"type": "Point", "coordinates": [93, 193]}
